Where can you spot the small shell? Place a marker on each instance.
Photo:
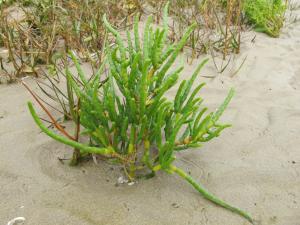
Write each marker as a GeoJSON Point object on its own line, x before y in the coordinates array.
{"type": "Point", "coordinates": [16, 221]}
{"type": "Point", "coordinates": [122, 180]}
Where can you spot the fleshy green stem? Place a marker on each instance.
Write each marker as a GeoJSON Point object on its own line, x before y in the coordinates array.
{"type": "Point", "coordinates": [83, 148]}
{"type": "Point", "coordinates": [146, 157]}
{"type": "Point", "coordinates": [75, 157]}
{"type": "Point", "coordinates": [208, 195]}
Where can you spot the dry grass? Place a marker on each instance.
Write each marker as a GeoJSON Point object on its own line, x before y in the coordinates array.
{"type": "Point", "coordinates": [42, 31]}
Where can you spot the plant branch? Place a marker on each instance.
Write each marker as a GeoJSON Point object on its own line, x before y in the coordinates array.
{"type": "Point", "coordinates": [208, 195]}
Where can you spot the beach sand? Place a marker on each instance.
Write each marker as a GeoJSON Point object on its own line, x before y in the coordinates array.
{"type": "Point", "coordinates": [254, 165]}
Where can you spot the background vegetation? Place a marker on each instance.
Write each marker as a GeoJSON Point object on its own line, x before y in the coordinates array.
{"type": "Point", "coordinates": [40, 32]}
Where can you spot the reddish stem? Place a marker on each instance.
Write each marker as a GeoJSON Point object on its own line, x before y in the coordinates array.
{"type": "Point", "coordinates": [57, 125]}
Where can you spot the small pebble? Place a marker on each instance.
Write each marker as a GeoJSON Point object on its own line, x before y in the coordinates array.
{"type": "Point", "coordinates": [175, 205]}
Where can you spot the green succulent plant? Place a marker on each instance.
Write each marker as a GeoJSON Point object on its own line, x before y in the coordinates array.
{"type": "Point", "coordinates": [129, 119]}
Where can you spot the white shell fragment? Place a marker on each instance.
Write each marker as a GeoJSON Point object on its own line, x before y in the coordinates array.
{"type": "Point", "coordinates": [122, 180]}
{"type": "Point", "coordinates": [16, 221]}
{"type": "Point", "coordinates": [131, 183]}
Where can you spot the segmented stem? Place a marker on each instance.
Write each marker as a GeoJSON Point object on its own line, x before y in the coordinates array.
{"type": "Point", "coordinates": [74, 144]}
{"type": "Point", "coordinates": [208, 195]}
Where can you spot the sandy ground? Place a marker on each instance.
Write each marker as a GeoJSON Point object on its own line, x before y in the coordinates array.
{"type": "Point", "coordinates": [254, 165]}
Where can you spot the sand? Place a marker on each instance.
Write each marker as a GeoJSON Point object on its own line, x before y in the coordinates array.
{"type": "Point", "coordinates": [254, 165]}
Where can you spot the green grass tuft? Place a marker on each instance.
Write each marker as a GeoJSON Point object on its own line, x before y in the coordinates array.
{"type": "Point", "coordinates": [266, 15]}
